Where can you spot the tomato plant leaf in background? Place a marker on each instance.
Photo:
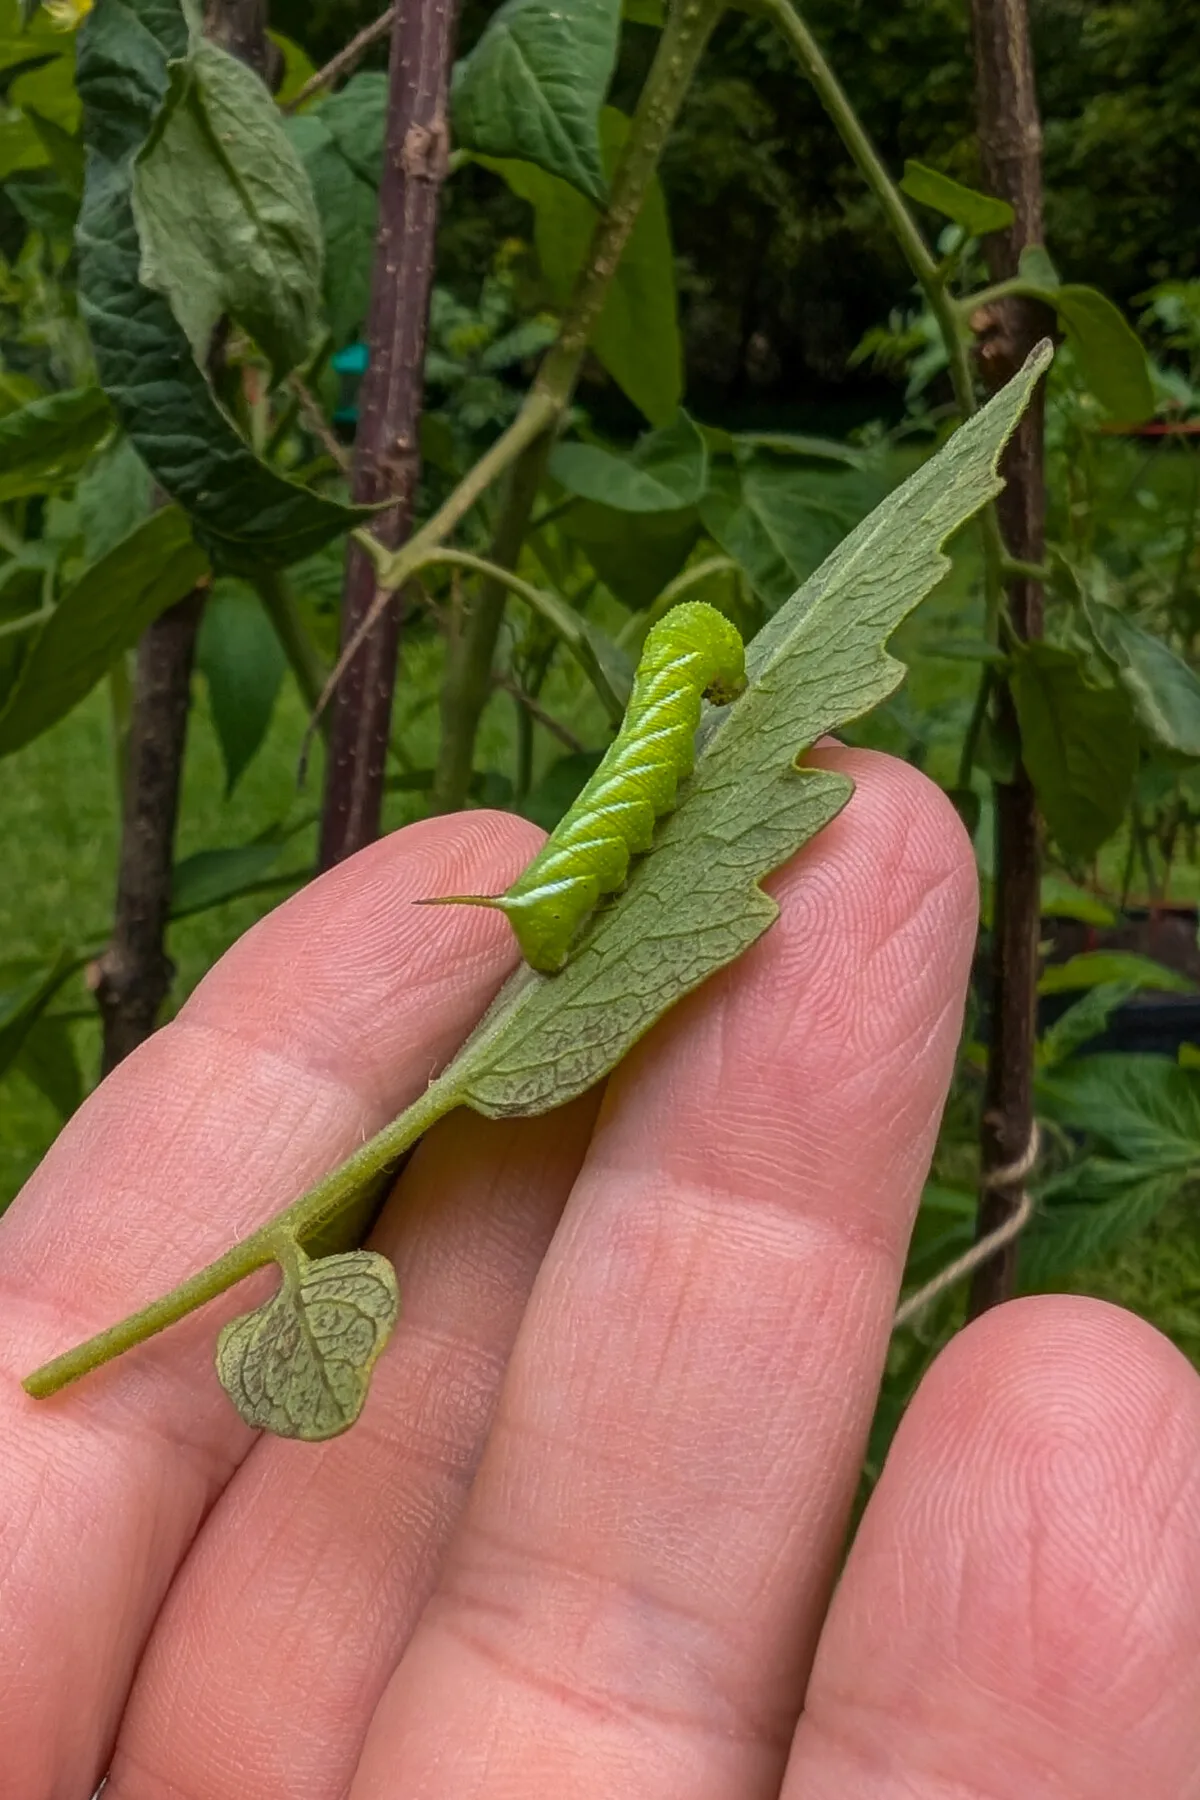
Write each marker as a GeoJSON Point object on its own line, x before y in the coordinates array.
{"type": "Point", "coordinates": [298, 67]}
{"type": "Point", "coordinates": [1078, 743]}
{"type": "Point", "coordinates": [248, 515]}
{"type": "Point", "coordinates": [48, 1058]}
{"type": "Point", "coordinates": [104, 613]}
{"type": "Point", "coordinates": [637, 338]}
{"type": "Point", "coordinates": [1164, 691]}
{"type": "Point", "coordinates": [779, 516]}
{"type": "Point", "coordinates": [209, 878]}
{"type": "Point", "coordinates": [46, 442]}
{"type": "Point", "coordinates": [1094, 968]}
{"type": "Point", "coordinates": [1082, 1022]}
{"type": "Point", "coordinates": [225, 215]}
{"type": "Point", "coordinates": [634, 554]}
{"type": "Point", "coordinates": [341, 146]}
{"type": "Point", "coordinates": [1107, 350]}
{"type": "Point", "coordinates": [976, 213]}
{"type": "Point", "coordinates": [533, 86]}
{"type": "Point", "coordinates": [300, 1365]}
{"type": "Point", "coordinates": [666, 470]}
{"type": "Point", "coordinates": [241, 659]}
{"type": "Point", "coordinates": [25, 993]}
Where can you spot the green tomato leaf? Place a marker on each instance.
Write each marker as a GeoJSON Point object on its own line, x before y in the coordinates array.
{"type": "Point", "coordinates": [637, 337]}
{"type": "Point", "coordinates": [1063, 899]}
{"type": "Point", "coordinates": [1035, 266]}
{"type": "Point", "coordinates": [976, 213]}
{"type": "Point", "coordinates": [1108, 352]}
{"type": "Point", "coordinates": [1164, 691]}
{"type": "Point", "coordinates": [634, 554]}
{"type": "Point", "coordinates": [780, 517]}
{"type": "Point", "coordinates": [224, 211]}
{"type": "Point", "coordinates": [300, 1366]}
{"type": "Point", "coordinates": [1095, 968]}
{"type": "Point", "coordinates": [348, 206]}
{"type": "Point", "coordinates": [298, 68]}
{"type": "Point", "coordinates": [23, 1001]}
{"type": "Point", "coordinates": [246, 514]}
{"type": "Point", "coordinates": [48, 1058]}
{"type": "Point", "coordinates": [1082, 1022]}
{"type": "Point", "coordinates": [241, 658]}
{"type": "Point", "coordinates": [533, 86]}
{"type": "Point", "coordinates": [212, 877]}
{"type": "Point", "coordinates": [104, 613]}
{"type": "Point", "coordinates": [667, 470]}
{"type": "Point", "coordinates": [695, 903]}
{"type": "Point", "coordinates": [45, 444]}
{"type": "Point", "coordinates": [1078, 743]}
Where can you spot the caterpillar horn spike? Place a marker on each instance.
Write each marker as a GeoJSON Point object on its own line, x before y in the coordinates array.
{"type": "Point", "coordinates": [693, 654]}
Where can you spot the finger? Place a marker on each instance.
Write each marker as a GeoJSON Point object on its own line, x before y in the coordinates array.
{"type": "Point", "coordinates": [314, 1030]}
{"type": "Point", "coordinates": [1020, 1613]}
{"type": "Point", "coordinates": [296, 1603]}
{"type": "Point", "coordinates": [630, 1602]}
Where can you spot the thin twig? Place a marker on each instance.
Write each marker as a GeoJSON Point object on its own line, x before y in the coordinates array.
{"type": "Point", "coordinates": [343, 62]}
{"type": "Point", "coordinates": [536, 711]}
{"type": "Point", "coordinates": [313, 415]}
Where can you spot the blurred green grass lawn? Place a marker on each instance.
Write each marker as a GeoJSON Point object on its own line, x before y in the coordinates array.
{"type": "Point", "coordinates": [58, 819]}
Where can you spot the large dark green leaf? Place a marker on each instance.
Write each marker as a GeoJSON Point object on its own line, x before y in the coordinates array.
{"type": "Point", "coordinates": [104, 613]}
{"type": "Point", "coordinates": [533, 86]}
{"type": "Point", "coordinates": [225, 215]}
{"type": "Point", "coordinates": [634, 554]}
{"type": "Point", "coordinates": [781, 516]}
{"type": "Point", "coordinates": [667, 469]}
{"type": "Point", "coordinates": [976, 213]}
{"type": "Point", "coordinates": [245, 513]}
{"type": "Point", "coordinates": [637, 337]}
{"type": "Point", "coordinates": [44, 444]}
{"type": "Point", "coordinates": [242, 661]}
{"type": "Point", "coordinates": [1079, 744]}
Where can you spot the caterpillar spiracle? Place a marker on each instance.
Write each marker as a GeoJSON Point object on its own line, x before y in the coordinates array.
{"type": "Point", "coordinates": [692, 654]}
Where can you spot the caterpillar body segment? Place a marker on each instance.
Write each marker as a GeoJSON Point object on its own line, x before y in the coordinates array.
{"type": "Point", "coordinates": [692, 654]}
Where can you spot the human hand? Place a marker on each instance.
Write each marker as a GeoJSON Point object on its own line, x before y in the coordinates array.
{"type": "Point", "coordinates": [581, 1542]}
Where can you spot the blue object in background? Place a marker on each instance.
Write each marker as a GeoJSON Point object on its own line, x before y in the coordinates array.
{"type": "Point", "coordinates": [351, 364]}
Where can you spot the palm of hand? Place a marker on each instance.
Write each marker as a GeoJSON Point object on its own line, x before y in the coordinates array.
{"type": "Point", "coordinates": [582, 1541]}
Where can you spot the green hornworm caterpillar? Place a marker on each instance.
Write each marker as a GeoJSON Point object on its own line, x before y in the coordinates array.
{"type": "Point", "coordinates": [693, 653]}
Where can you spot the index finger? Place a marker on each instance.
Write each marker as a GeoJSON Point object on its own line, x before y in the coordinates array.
{"type": "Point", "coordinates": [317, 1027]}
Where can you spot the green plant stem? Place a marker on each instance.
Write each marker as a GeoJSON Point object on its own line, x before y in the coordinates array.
{"type": "Point", "coordinates": [468, 681]}
{"type": "Point", "coordinates": [983, 694]}
{"type": "Point", "coordinates": [567, 624]}
{"type": "Point", "coordinates": [304, 1219]}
